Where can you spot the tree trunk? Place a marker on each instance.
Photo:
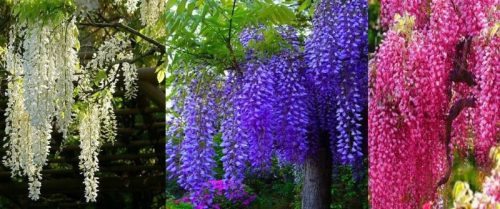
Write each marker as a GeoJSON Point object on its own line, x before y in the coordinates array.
{"type": "Point", "coordinates": [318, 178]}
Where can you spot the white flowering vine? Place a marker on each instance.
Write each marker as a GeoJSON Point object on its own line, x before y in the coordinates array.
{"type": "Point", "coordinates": [42, 70]}
{"type": "Point", "coordinates": [49, 90]}
{"type": "Point", "coordinates": [98, 121]}
{"type": "Point", "coordinates": [40, 89]}
{"type": "Point", "coordinates": [130, 5]}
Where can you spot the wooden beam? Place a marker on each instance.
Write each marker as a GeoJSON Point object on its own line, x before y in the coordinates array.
{"type": "Point", "coordinates": [156, 95]}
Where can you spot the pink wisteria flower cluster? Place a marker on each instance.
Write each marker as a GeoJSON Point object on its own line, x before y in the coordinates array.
{"type": "Point", "coordinates": [434, 91]}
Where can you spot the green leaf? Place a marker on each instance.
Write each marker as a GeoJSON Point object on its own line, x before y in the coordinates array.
{"type": "Point", "coordinates": [181, 7]}
{"type": "Point", "coordinates": [170, 4]}
{"type": "Point", "coordinates": [190, 8]}
{"type": "Point", "coordinates": [160, 75]}
{"type": "Point", "coordinates": [304, 5]}
{"type": "Point", "coordinates": [169, 80]}
{"type": "Point", "coordinates": [101, 75]}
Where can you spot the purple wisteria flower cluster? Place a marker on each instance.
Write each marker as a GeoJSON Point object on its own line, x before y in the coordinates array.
{"type": "Point", "coordinates": [192, 161]}
{"type": "Point", "coordinates": [337, 57]}
{"type": "Point", "coordinates": [234, 140]}
{"type": "Point", "coordinates": [277, 104]}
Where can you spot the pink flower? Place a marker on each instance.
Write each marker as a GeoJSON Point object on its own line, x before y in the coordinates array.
{"type": "Point", "coordinates": [412, 92]}
{"type": "Point", "coordinates": [428, 205]}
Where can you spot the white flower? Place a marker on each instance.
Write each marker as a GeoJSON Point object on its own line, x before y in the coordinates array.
{"type": "Point", "coordinates": [130, 80]}
{"type": "Point", "coordinates": [130, 5]}
{"type": "Point", "coordinates": [90, 144]}
{"type": "Point", "coordinates": [151, 11]}
{"type": "Point", "coordinates": [40, 88]}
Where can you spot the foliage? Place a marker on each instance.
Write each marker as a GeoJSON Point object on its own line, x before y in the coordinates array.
{"type": "Point", "coordinates": [487, 196]}
{"type": "Point", "coordinates": [177, 205]}
{"type": "Point", "coordinates": [31, 11]}
{"type": "Point", "coordinates": [275, 190]}
{"type": "Point", "coordinates": [349, 192]}
{"type": "Point", "coordinates": [374, 30]}
{"type": "Point", "coordinates": [199, 32]}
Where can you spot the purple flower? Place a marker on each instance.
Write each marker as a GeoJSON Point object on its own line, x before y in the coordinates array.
{"type": "Point", "coordinates": [197, 148]}
{"type": "Point", "coordinates": [337, 57]}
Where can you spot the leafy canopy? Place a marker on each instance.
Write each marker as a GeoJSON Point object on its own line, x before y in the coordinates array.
{"type": "Point", "coordinates": [205, 32]}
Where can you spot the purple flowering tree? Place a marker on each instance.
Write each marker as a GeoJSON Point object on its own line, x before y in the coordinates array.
{"type": "Point", "coordinates": [276, 100]}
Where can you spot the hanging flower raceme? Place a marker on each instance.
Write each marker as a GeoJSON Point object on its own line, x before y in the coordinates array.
{"type": "Point", "coordinates": [198, 154]}
{"type": "Point", "coordinates": [257, 113]}
{"type": "Point", "coordinates": [291, 107]}
{"type": "Point", "coordinates": [234, 140]}
{"type": "Point", "coordinates": [174, 133]}
{"type": "Point", "coordinates": [388, 129]}
{"type": "Point", "coordinates": [90, 144]}
{"type": "Point", "coordinates": [130, 5]}
{"type": "Point", "coordinates": [409, 128]}
{"type": "Point", "coordinates": [336, 54]}
{"type": "Point", "coordinates": [98, 121]}
{"type": "Point", "coordinates": [256, 101]}
{"type": "Point", "coordinates": [274, 111]}
{"type": "Point", "coordinates": [487, 113]}
{"type": "Point", "coordinates": [41, 67]}
{"type": "Point", "coordinates": [151, 11]}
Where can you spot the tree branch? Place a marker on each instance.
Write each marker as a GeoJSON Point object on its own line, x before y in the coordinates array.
{"type": "Point", "coordinates": [459, 74]}
{"type": "Point", "coordinates": [228, 42]}
{"type": "Point", "coordinates": [460, 66]}
{"type": "Point", "coordinates": [120, 26]}
{"type": "Point", "coordinates": [462, 76]}
{"type": "Point", "coordinates": [231, 20]}
{"type": "Point", "coordinates": [455, 110]}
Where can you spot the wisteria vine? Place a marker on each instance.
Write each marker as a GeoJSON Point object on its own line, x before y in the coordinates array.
{"type": "Point", "coordinates": [44, 75]}
{"type": "Point", "coordinates": [434, 93]}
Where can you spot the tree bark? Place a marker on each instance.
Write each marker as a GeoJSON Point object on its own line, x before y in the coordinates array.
{"type": "Point", "coordinates": [318, 178]}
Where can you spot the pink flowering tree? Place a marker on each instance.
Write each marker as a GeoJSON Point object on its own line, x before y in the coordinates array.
{"type": "Point", "coordinates": [434, 92]}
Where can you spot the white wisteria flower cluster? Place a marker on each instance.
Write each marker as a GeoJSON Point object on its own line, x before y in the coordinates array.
{"type": "Point", "coordinates": [43, 65]}
{"type": "Point", "coordinates": [98, 121]}
{"type": "Point", "coordinates": [150, 10]}
{"type": "Point", "coordinates": [111, 57]}
{"type": "Point", "coordinates": [130, 5]}
{"type": "Point", "coordinates": [40, 89]}
{"type": "Point", "coordinates": [130, 79]}
{"type": "Point", "coordinates": [90, 144]}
